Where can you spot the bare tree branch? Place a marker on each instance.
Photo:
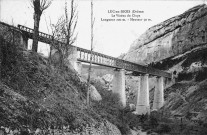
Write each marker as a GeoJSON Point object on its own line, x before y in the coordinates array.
{"type": "Point", "coordinates": [64, 30]}
{"type": "Point", "coordinates": [91, 56]}
{"type": "Point", "coordinates": [39, 6]}
{"type": "Point", "coordinates": [44, 4]}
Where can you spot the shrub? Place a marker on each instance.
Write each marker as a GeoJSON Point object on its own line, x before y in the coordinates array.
{"type": "Point", "coordinates": [131, 119]}
{"type": "Point", "coordinates": [185, 76]}
{"type": "Point", "coordinates": [203, 131]}
{"type": "Point", "coordinates": [201, 75]}
{"type": "Point", "coordinates": [163, 128]}
{"type": "Point", "coordinates": [109, 108]}
{"type": "Point", "coordinates": [124, 128]}
{"type": "Point", "coordinates": [153, 122]}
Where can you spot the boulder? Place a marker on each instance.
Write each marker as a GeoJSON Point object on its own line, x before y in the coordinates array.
{"type": "Point", "coordinates": [94, 94]}
{"type": "Point", "coordinates": [132, 107]}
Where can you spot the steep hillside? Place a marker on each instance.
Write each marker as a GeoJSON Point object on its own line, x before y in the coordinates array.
{"type": "Point", "coordinates": [36, 96]}
{"type": "Point", "coordinates": [172, 37]}
{"type": "Point", "coordinates": [39, 97]}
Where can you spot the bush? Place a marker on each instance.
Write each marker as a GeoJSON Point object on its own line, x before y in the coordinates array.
{"type": "Point", "coordinates": [110, 108]}
{"type": "Point", "coordinates": [153, 122]}
{"type": "Point", "coordinates": [185, 76]}
{"type": "Point", "coordinates": [203, 131]}
{"type": "Point", "coordinates": [124, 128]}
{"type": "Point", "coordinates": [163, 128]}
{"type": "Point", "coordinates": [201, 75]}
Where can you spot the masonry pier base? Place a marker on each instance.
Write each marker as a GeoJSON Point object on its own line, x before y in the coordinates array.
{"type": "Point", "coordinates": [159, 94]}
{"type": "Point", "coordinates": [119, 85]}
{"type": "Point", "coordinates": [143, 106]}
{"type": "Point", "coordinates": [78, 67]}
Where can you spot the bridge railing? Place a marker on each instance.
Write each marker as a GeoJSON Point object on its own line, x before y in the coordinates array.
{"type": "Point", "coordinates": [98, 58]}
{"type": "Point", "coordinates": [102, 59]}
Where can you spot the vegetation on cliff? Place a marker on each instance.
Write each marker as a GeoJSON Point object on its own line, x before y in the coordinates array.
{"type": "Point", "coordinates": [34, 94]}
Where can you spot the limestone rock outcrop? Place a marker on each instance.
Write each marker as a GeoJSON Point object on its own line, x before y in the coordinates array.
{"type": "Point", "coordinates": [172, 37]}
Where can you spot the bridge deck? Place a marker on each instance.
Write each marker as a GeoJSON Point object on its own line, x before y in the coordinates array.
{"type": "Point", "coordinates": [98, 58]}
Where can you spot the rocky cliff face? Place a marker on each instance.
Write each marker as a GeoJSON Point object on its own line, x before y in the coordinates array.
{"type": "Point", "coordinates": [172, 37]}
{"type": "Point", "coordinates": [178, 45]}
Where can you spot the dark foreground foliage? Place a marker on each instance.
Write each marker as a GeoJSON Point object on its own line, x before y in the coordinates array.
{"type": "Point", "coordinates": [35, 94]}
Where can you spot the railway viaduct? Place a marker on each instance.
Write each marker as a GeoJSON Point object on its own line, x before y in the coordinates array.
{"type": "Point", "coordinates": [79, 55]}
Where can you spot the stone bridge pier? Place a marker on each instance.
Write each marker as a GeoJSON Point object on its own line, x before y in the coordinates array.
{"type": "Point", "coordinates": [159, 94]}
{"type": "Point", "coordinates": [24, 41]}
{"type": "Point", "coordinates": [143, 105]}
{"type": "Point", "coordinates": [118, 85]}
{"type": "Point", "coordinates": [72, 58]}
{"type": "Point", "coordinates": [143, 101]}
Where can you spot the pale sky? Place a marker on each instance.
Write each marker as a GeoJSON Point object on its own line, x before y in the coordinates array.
{"type": "Point", "coordinates": [112, 37]}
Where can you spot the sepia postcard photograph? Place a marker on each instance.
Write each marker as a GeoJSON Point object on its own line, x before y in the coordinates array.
{"type": "Point", "coordinates": [103, 67]}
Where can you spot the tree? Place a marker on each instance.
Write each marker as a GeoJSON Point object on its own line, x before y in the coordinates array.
{"type": "Point", "coordinates": [39, 6]}
{"type": "Point", "coordinates": [91, 55]}
{"type": "Point", "coordinates": [71, 23]}
{"type": "Point", "coordinates": [64, 30]}
{"type": "Point", "coordinates": [69, 26]}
